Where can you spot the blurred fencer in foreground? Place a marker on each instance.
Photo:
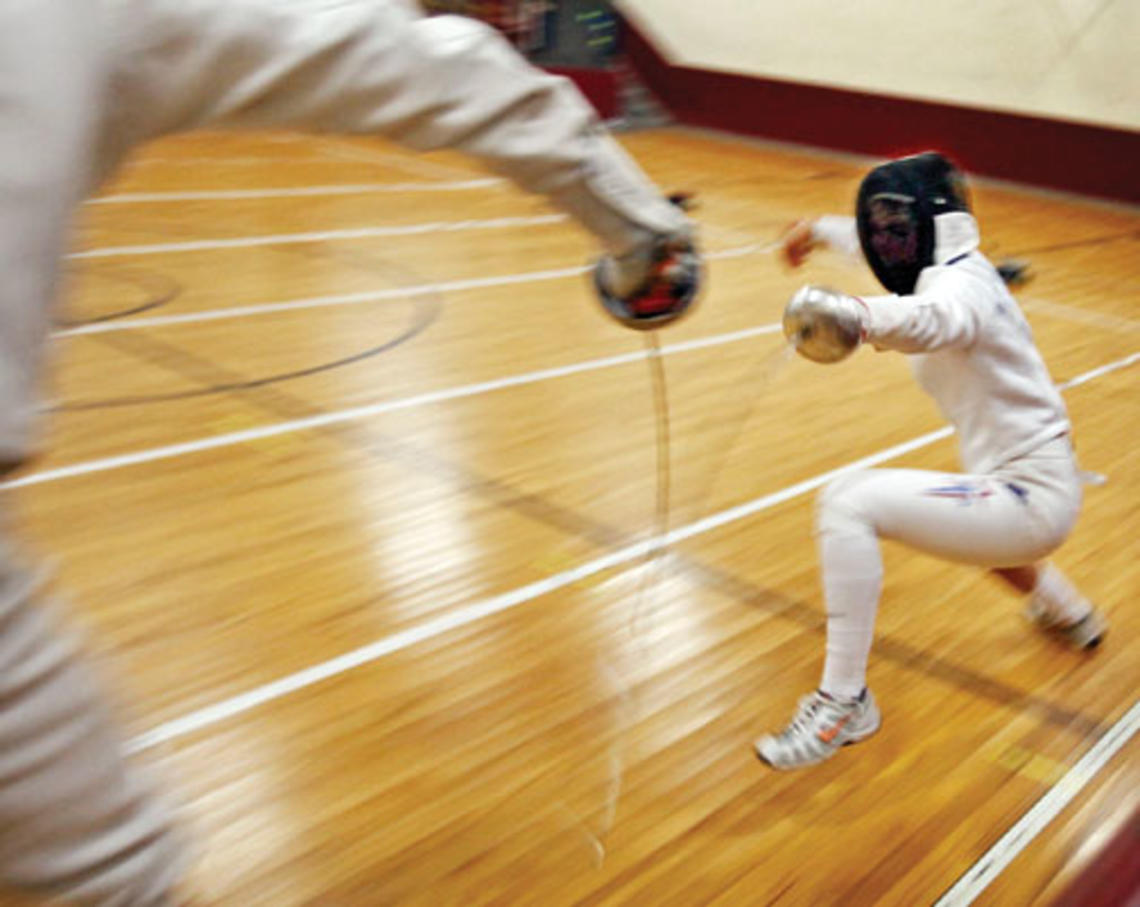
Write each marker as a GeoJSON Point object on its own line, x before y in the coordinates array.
{"type": "Point", "coordinates": [85, 83]}
{"type": "Point", "coordinates": [971, 349]}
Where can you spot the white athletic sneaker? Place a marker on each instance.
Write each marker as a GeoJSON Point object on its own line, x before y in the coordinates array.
{"type": "Point", "coordinates": [1086, 633]}
{"type": "Point", "coordinates": [821, 726]}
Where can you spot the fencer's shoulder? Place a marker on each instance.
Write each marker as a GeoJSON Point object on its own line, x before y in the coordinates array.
{"type": "Point", "coordinates": [969, 279]}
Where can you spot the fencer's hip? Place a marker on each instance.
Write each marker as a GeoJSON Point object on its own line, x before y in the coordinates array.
{"type": "Point", "coordinates": [1050, 480]}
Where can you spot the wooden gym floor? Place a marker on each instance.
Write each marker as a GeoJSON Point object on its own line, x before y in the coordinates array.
{"type": "Point", "coordinates": [345, 478]}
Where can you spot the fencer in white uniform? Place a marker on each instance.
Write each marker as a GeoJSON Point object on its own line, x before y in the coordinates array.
{"type": "Point", "coordinates": [971, 349]}
{"type": "Point", "coordinates": [84, 83]}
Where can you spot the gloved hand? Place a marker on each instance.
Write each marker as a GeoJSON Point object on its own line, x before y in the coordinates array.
{"type": "Point", "coordinates": [797, 243]}
{"type": "Point", "coordinates": [651, 286]}
{"type": "Point", "coordinates": [825, 325]}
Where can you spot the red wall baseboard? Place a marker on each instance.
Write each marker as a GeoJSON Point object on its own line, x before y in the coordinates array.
{"type": "Point", "coordinates": [1074, 157]}
{"type": "Point", "coordinates": [600, 86]}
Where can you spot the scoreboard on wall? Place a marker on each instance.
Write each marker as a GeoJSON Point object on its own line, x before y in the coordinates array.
{"type": "Point", "coordinates": [575, 32]}
{"type": "Point", "coordinates": [524, 22]}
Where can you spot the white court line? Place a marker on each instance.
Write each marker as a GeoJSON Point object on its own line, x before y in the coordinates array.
{"type": "Point", "coordinates": [131, 198]}
{"type": "Point", "coordinates": [452, 286]}
{"type": "Point", "coordinates": [497, 223]}
{"type": "Point", "coordinates": [240, 161]}
{"type": "Point", "coordinates": [1081, 316]}
{"type": "Point", "coordinates": [338, 148]}
{"type": "Point", "coordinates": [336, 417]}
{"type": "Point", "coordinates": [1098, 372]}
{"type": "Point", "coordinates": [316, 302]}
{"type": "Point", "coordinates": [468, 614]}
{"type": "Point", "coordinates": [963, 893]}
{"type": "Point", "coordinates": [375, 409]}
{"type": "Point", "coordinates": [991, 864]}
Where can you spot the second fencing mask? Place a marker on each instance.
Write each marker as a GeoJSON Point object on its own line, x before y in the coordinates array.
{"type": "Point", "coordinates": [895, 211]}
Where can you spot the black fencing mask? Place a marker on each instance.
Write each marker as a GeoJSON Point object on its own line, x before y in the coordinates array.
{"type": "Point", "coordinates": [895, 212]}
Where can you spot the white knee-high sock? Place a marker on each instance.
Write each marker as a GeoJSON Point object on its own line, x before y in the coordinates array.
{"type": "Point", "coordinates": [1058, 598]}
{"type": "Point", "coordinates": [852, 579]}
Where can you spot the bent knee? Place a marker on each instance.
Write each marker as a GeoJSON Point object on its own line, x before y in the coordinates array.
{"type": "Point", "coordinates": [844, 505]}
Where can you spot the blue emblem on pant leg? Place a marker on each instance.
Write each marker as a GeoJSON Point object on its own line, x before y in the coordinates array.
{"type": "Point", "coordinates": [965, 492]}
{"type": "Point", "coordinates": [1019, 492]}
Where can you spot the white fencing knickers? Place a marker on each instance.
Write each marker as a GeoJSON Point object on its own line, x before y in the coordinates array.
{"type": "Point", "coordinates": [76, 820]}
{"type": "Point", "coordinates": [1011, 517]}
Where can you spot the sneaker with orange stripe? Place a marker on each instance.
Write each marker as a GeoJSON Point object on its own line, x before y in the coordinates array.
{"type": "Point", "coordinates": [821, 726]}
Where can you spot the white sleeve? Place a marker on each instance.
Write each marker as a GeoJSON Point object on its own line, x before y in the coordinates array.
{"type": "Point", "coordinates": [838, 233]}
{"type": "Point", "coordinates": [924, 322]}
{"type": "Point", "coordinates": [374, 67]}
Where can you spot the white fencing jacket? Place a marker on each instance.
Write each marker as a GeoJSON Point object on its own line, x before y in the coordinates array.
{"type": "Point", "coordinates": [83, 82]}
{"type": "Point", "coordinates": [970, 346]}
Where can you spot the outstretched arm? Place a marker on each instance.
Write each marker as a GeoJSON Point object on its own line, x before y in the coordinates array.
{"type": "Point", "coordinates": [826, 325]}
{"type": "Point", "coordinates": [374, 67]}
{"type": "Point", "coordinates": [921, 323]}
{"type": "Point", "coordinates": [831, 231]}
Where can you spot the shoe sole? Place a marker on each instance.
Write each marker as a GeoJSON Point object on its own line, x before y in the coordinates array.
{"type": "Point", "coordinates": [1071, 636]}
{"type": "Point", "coordinates": [1098, 629]}
{"type": "Point", "coordinates": [782, 768]}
